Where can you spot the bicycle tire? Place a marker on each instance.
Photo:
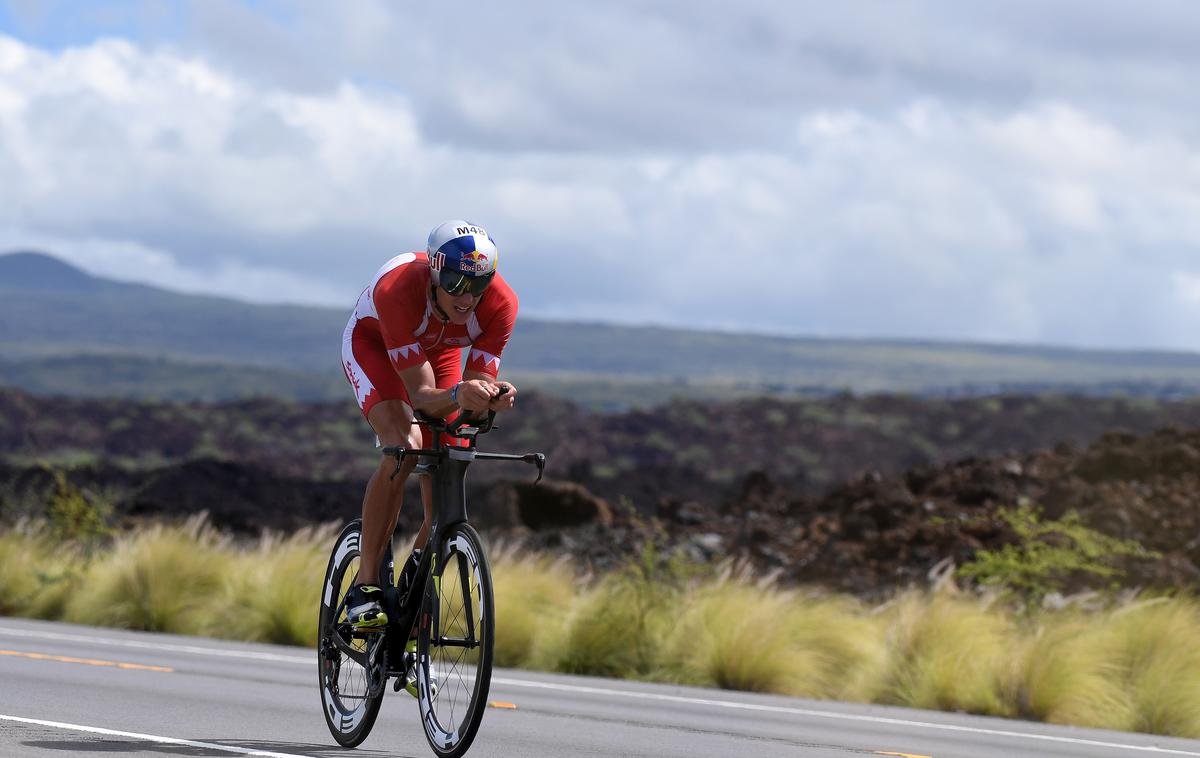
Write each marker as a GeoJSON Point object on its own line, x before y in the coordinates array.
{"type": "Point", "coordinates": [349, 714]}
{"type": "Point", "coordinates": [456, 633]}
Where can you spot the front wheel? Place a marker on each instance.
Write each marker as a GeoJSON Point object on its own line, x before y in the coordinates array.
{"type": "Point", "coordinates": [455, 637]}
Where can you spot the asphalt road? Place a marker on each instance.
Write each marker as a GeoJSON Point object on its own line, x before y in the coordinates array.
{"type": "Point", "coordinates": [79, 691]}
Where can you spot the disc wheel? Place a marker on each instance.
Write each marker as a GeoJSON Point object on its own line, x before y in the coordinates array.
{"type": "Point", "coordinates": [455, 638]}
{"type": "Point", "coordinates": [350, 666]}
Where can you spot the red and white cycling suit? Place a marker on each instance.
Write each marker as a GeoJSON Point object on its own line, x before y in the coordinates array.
{"type": "Point", "coordinates": [395, 327]}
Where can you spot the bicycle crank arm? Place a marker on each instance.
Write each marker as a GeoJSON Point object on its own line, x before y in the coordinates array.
{"type": "Point", "coordinates": [353, 653]}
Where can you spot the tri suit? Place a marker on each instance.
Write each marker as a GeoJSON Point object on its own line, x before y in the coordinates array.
{"type": "Point", "coordinates": [395, 326]}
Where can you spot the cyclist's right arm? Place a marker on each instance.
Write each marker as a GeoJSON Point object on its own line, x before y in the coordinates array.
{"type": "Point", "coordinates": [473, 394]}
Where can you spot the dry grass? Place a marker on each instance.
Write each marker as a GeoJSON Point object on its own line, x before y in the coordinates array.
{"type": "Point", "coordinates": [160, 579]}
{"type": "Point", "coordinates": [1135, 666]}
{"type": "Point", "coordinates": [37, 572]}
{"type": "Point", "coordinates": [271, 590]}
{"type": "Point", "coordinates": [533, 597]}
{"type": "Point", "coordinates": [948, 653]}
{"type": "Point", "coordinates": [1071, 676]}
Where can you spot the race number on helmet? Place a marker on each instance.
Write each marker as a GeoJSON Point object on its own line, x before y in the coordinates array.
{"type": "Point", "coordinates": [462, 257]}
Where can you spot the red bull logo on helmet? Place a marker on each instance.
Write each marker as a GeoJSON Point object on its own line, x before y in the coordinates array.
{"type": "Point", "coordinates": [478, 261]}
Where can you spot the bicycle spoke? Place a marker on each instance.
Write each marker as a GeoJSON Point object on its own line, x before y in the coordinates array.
{"type": "Point", "coordinates": [351, 692]}
{"type": "Point", "coordinates": [457, 644]}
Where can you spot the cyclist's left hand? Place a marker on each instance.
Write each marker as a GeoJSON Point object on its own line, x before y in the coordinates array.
{"type": "Point", "coordinates": [506, 401]}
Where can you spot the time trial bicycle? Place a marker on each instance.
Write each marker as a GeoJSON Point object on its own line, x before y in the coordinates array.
{"type": "Point", "coordinates": [437, 643]}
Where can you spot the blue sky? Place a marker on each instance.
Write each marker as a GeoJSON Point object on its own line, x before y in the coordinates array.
{"type": "Point", "coordinates": [1025, 172]}
{"type": "Point", "coordinates": [57, 25]}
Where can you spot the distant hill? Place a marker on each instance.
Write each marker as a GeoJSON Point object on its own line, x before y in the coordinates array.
{"type": "Point", "coordinates": [63, 330]}
{"type": "Point", "coordinates": [37, 271]}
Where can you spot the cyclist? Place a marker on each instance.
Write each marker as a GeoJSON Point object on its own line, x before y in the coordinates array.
{"type": "Point", "coordinates": [402, 349]}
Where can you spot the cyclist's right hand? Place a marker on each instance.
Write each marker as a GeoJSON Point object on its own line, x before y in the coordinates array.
{"type": "Point", "coordinates": [476, 394]}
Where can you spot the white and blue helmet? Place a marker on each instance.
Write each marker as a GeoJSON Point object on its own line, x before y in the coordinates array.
{"type": "Point", "coordinates": [462, 257]}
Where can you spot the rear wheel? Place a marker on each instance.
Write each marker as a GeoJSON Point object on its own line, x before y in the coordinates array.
{"type": "Point", "coordinates": [455, 638]}
{"type": "Point", "coordinates": [350, 666]}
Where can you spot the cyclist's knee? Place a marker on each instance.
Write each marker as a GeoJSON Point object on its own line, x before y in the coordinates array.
{"type": "Point", "coordinates": [392, 422]}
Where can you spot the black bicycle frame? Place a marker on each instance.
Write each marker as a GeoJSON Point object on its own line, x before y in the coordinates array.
{"type": "Point", "coordinates": [448, 466]}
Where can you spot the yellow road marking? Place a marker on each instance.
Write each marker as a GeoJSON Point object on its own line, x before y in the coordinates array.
{"type": "Point", "coordinates": [903, 755]}
{"type": "Point", "coordinates": [86, 661]}
{"type": "Point", "coordinates": [506, 706]}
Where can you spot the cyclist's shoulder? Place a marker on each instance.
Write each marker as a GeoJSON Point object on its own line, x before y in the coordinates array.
{"type": "Point", "coordinates": [407, 273]}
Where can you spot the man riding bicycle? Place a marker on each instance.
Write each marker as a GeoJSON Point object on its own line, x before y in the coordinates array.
{"type": "Point", "coordinates": [402, 349]}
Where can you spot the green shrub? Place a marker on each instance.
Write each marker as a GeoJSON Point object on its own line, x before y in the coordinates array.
{"type": "Point", "coordinates": [72, 516]}
{"type": "Point", "coordinates": [1046, 555]}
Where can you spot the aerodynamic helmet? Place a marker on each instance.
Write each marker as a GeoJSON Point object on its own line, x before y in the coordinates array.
{"type": "Point", "coordinates": [462, 257]}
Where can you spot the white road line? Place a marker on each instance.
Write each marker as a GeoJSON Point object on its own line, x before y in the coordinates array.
{"type": "Point", "coordinates": [190, 649]}
{"type": "Point", "coordinates": [841, 716]}
{"type": "Point", "coordinates": [246, 654]}
{"type": "Point", "coordinates": [150, 737]}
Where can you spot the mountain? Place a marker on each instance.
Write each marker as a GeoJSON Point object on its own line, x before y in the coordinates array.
{"type": "Point", "coordinates": [65, 331]}
{"type": "Point", "coordinates": [36, 271]}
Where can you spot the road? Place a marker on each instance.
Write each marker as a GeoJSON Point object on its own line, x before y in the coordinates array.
{"type": "Point", "coordinates": [79, 691]}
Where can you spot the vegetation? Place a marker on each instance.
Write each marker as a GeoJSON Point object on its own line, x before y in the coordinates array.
{"type": "Point", "coordinates": [1128, 665]}
{"type": "Point", "coordinates": [1047, 554]}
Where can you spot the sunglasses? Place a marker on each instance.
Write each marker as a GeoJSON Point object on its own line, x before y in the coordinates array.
{"type": "Point", "coordinates": [456, 283]}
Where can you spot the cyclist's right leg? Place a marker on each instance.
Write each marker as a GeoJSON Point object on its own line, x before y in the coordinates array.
{"type": "Point", "coordinates": [392, 422]}
{"type": "Point", "coordinates": [383, 399]}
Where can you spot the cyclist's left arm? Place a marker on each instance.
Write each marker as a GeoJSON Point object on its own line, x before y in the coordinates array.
{"type": "Point", "coordinates": [483, 357]}
{"type": "Point", "coordinates": [501, 402]}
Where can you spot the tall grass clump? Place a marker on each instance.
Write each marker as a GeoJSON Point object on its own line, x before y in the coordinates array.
{"type": "Point", "coordinates": [271, 590]}
{"type": "Point", "coordinates": [534, 595]}
{"type": "Point", "coordinates": [1072, 676]}
{"type": "Point", "coordinates": [847, 647]}
{"type": "Point", "coordinates": [948, 653]}
{"type": "Point", "coordinates": [1135, 668]}
{"type": "Point", "coordinates": [735, 635]}
{"type": "Point", "coordinates": [1156, 644]}
{"type": "Point", "coordinates": [160, 578]}
{"type": "Point", "coordinates": [37, 571]}
{"type": "Point", "coordinates": [618, 627]}
{"type": "Point", "coordinates": [746, 634]}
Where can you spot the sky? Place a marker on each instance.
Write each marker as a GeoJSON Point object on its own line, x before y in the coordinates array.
{"type": "Point", "coordinates": [1019, 172]}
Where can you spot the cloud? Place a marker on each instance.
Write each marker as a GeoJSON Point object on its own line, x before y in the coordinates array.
{"type": "Point", "coordinates": [917, 171]}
